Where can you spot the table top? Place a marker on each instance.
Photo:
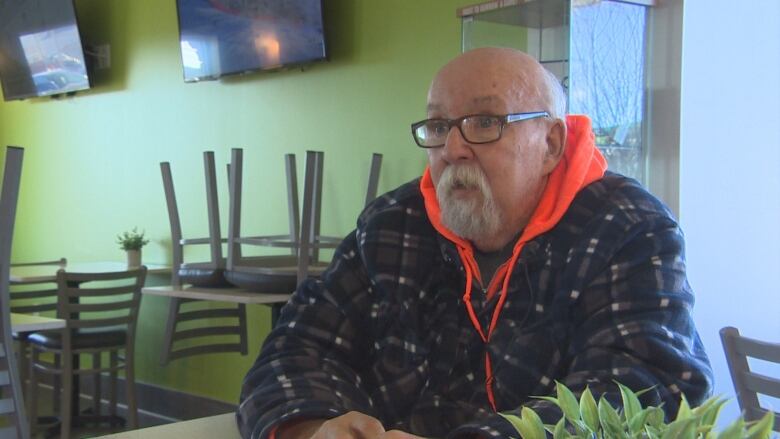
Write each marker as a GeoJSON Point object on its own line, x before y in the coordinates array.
{"type": "Point", "coordinates": [235, 295]}
{"type": "Point", "coordinates": [48, 273]}
{"type": "Point", "coordinates": [31, 323]}
{"type": "Point", "coordinates": [220, 426]}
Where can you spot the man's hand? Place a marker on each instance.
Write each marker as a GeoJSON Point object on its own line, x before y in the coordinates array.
{"type": "Point", "coordinates": [353, 425]}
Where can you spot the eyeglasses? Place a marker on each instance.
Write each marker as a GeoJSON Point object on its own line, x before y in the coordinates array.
{"type": "Point", "coordinates": [475, 128]}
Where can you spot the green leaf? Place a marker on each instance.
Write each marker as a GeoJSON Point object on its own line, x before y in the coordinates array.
{"type": "Point", "coordinates": [684, 412]}
{"type": "Point", "coordinates": [681, 429]}
{"type": "Point", "coordinates": [551, 399]}
{"type": "Point", "coordinates": [589, 410]}
{"type": "Point", "coordinates": [512, 419]}
{"type": "Point", "coordinates": [631, 405]}
{"type": "Point", "coordinates": [535, 425]}
{"type": "Point", "coordinates": [643, 391]}
{"type": "Point", "coordinates": [637, 423]}
{"type": "Point", "coordinates": [708, 413]}
{"type": "Point", "coordinates": [734, 430]}
{"type": "Point", "coordinates": [528, 424]}
{"type": "Point", "coordinates": [655, 417]}
{"type": "Point", "coordinates": [763, 428]}
{"type": "Point", "coordinates": [610, 420]}
{"type": "Point", "coordinates": [652, 432]}
{"type": "Point", "coordinates": [568, 402]}
{"type": "Point", "coordinates": [559, 432]}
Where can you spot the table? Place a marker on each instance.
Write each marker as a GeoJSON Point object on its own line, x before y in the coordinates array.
{"type": "Point", "coordinates": [30, 323]}
{"type": "Point", "coordinates": [48, 273]}
{"type": "Point", "coordinates": [220, 426]}
{"type": "Point", "coordinates": [234, 295]}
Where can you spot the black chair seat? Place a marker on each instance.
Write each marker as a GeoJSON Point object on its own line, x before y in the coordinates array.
{"type": "Point", "coordinates": [271, 283]}
{"type": "Point", "coordinates": [204, 277]}
{"type": "Point", "coordinates": [82, 339]}
{"type": "Point", "coordinates": [270, 274]}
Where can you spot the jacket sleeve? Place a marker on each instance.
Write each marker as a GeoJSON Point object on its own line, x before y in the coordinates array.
{"type": "Point", "coordinates": [628, 319]}
{"type": "Point", "coordinates": [307, 366]}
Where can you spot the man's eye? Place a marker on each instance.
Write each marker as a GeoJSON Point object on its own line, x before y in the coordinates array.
{"type": "Point", "coordinates": [486, 122]}
{"type": "Point", "coordinates": [438, 128]}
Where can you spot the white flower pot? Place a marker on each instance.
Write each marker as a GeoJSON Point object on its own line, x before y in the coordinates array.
{"type": "Point", "coordinates": [133, 258]}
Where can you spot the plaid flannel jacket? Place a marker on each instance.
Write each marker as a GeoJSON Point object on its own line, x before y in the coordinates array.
{"type": "Point", "coordinates": [602, 297]}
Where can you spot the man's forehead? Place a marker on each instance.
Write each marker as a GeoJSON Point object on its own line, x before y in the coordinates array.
{"type": "Point", "coordinates": [481, 100]}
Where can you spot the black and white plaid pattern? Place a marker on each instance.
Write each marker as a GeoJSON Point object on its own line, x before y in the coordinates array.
{"type": "Point", "coordinates": [601, 297]}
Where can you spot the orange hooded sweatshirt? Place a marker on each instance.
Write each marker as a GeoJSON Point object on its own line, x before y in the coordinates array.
{"type": "Point", "coordinates": [581, 164]}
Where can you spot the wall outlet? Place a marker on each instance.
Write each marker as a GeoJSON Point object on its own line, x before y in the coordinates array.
{"type": "Point", "coordinates": [102, 56]}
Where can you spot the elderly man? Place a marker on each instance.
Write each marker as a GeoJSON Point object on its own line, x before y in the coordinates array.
{"type": "Point", "coordinates": [515, 261]}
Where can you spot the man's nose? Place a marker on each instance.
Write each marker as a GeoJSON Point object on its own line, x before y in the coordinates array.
{"type": "Point", "coordinates": [456, 148]}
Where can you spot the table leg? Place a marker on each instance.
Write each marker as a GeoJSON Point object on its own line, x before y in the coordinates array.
{"type": "Point", "coordinates": [276, 310]}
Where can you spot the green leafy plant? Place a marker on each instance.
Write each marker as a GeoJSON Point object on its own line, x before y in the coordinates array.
{"type": "Point", "coordinates": [585, 418]}
{"type": "Point", "coordinates": [131, 240]}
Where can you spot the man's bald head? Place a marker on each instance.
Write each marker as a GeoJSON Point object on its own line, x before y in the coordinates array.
{"type": "Point", "coordinates": [513, 74]}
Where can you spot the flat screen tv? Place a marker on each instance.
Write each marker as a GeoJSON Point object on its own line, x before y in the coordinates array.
{"type": "Point", "coordinates": [40, 49]}
{"type": "Point", "coordinates": [225, 37]}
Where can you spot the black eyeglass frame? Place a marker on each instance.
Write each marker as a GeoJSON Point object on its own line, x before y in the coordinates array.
{"type": "Point", "coordinates": [502, 119]}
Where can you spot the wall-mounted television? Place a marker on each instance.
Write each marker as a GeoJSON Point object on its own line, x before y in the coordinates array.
{"type": "Point", "coordinates": [40, 49]}
{"type": "Point", "coordinates": [225, 37]}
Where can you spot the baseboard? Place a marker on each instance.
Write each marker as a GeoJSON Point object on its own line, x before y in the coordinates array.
{"type": "Point", "coordinates": [156, 405]}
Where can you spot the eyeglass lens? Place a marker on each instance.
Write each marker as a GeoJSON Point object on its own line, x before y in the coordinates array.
{"type": "Point", "coordinates": [475, 129]}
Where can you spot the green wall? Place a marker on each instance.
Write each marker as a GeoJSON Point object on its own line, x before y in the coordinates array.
{"type": "Point", "coordinates": [91, 161]}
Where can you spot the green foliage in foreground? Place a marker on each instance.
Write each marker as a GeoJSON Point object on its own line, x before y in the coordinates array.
{"type": "Point", "coordinates": [587, 419]}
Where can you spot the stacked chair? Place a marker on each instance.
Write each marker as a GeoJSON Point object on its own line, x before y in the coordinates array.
{"type": "Point", "coordinates": [261, 274]}
{"type": "Point", "coordinates": [12, 409]}
{"type": "Point", "coordinates": [230, 317]}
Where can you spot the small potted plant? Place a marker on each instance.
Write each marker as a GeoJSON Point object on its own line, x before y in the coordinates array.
{"type": "Point", "coordinates": [132, 242]}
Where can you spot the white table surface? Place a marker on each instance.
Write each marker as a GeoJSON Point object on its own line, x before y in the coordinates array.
{"type": "Point", "coordinates": [212, 427]}
{"type": "Point", "coordinates": [48, 273]}
{"type": "Point", "coordinates": [235, 295]}
{"type": "Point", "coordinates": [31, 323]}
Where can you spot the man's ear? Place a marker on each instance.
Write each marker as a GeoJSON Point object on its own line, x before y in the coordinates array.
{"type": "Point", "coordinates": [556, 143]}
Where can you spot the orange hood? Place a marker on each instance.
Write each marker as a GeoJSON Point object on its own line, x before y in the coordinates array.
{"type": "Point", "coordinates": [581, 164]}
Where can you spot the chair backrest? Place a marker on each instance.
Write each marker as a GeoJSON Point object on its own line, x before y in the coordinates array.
{"type": "Point", "coordinates": [100, 300]}
{"type": "Point", "coordinates": [748, 384]}
{"type": "Point", "coordinates": [214, 238]}
{"type": "Point", "coordinates": [35, 297]}
{"type": "Point", "coordinates": [12, 402]}
{"type": "Point", "coordinates": [235, 183]}
{"type": "Point", "coordinates": [373, 177]}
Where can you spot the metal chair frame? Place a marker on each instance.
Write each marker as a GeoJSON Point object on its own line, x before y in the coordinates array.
{"type": "Point", "coordinates": [187, 310]}
{"type": "Point", "coordinates": [748, 384]}
{"type": "Point", "coordinates": [116, 309]}
{"type": "Point", "coordinates": [34, 298]}
{"type": "Point", "coordinates": [12, 408]}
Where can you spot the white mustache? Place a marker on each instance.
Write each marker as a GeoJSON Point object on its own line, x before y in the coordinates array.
{"type": "Point", "coordinates": [462, 177]}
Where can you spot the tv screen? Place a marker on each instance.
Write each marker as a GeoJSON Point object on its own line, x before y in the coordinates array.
{"type": "Point", "coordinates": [223, 37]}
{"type": "Point", "coordinates": [40, 49]}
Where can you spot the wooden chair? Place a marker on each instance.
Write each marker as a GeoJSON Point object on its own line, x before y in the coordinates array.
{"type": "Point", "coordinates": [101, 312]}
{"type": "Point", "coordinates": [748, 384]}
{"type": "Point", "coordinates": [12, 410]}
